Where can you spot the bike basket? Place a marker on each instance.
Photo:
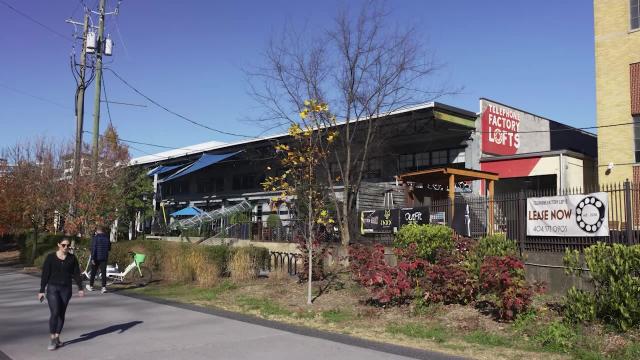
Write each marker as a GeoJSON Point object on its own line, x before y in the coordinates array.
{"type": "Point", "coordinates": [139, 258]}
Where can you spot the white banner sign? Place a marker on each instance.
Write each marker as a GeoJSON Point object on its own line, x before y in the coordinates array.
{"type": "Point", "coordinates": [571, 215]}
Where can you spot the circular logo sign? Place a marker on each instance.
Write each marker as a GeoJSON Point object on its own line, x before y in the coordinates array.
{"type": "Point", "coordinates": [590, 214]}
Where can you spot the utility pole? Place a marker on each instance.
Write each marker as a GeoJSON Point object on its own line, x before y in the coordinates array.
{"type": "Point", "coordinates": [79, 108]}
{"type": "Point", "coordinates": [80, 104]}
{"type": "Point", "coordinates": [96, 101]}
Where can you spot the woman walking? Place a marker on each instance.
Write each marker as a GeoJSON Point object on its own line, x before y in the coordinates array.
{"type": "Point", "coordinates": [58, 270]}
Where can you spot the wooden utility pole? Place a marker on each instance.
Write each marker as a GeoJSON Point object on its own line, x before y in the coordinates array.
{"type": "Point", "coordinates": [96, 100]}
{"type": "Point", "coordinates": [77, 164]}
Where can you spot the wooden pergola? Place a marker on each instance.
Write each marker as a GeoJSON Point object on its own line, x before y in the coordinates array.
{"type": "Point", "coordinates": [449, 175]}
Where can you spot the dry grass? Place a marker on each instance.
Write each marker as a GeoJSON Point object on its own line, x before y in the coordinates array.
{"type": "Point", "coordinates": [279, 275]}
{"type": "Point", "coordinates": [242, 267]}
{"type": "Point", "coordinates": [189, 264]}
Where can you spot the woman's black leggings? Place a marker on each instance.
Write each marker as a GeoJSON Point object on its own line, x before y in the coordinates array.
{"type": "Point", "coordinates": [58, 298]}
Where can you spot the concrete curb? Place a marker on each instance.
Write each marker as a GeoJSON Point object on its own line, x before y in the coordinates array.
{"type": "Point", "coordinates": [4, 356]}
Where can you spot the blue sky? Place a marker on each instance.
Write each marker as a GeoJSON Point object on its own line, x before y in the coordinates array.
{"type": "Point", "coordinates": [190, 55]}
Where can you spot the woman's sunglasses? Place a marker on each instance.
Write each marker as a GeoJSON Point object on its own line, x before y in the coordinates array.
{"type": "Point", "coordinates": [64, 245]}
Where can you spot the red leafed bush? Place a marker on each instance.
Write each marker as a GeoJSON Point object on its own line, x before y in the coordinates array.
{"type": "Point", "coordinates": [448, 282]}
{"type": "Point", "coordinates": [410, 262]}
{"type": "Point", "coordinates": [388, 284]}
{"type": "Point", "coordinates": [503, 277]}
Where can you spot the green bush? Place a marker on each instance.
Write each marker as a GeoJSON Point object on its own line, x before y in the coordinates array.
{"type": "Point", "coordinates": [581, 306]}
{"type": "Point", "coordinates": [218, 254]}
{"type": "Point", "coordinates": [615, 275]}
{"type": "Point", "coordinates": [556, 337]}
{"type": "Point", "coordinates": [491, 245]}
{"type": "Point", "coordinates": [428, 239]}
{"type": "Point", "coordinates": [273, 221]}
{"type": "Point", "coordinates": [239, 218]}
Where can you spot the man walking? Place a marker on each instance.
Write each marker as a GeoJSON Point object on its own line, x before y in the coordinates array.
{"type": "Point", "coordinates": [100, 247]}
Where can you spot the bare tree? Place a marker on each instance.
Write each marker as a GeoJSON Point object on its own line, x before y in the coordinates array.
{"type": "Point", "coordinates": [364, 70]}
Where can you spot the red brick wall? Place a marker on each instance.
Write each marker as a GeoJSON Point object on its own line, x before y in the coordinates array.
{"type": "Point", "coordinates": [634, 70]}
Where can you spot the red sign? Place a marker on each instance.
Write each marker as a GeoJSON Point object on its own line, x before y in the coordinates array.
{"type": "Point", "coordinates": [500, 128]}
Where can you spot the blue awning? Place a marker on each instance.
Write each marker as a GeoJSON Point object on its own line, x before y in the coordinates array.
{"type": "Point", "coordinates": [163, 169]}
{"type": "Point", "coordinates": [188, 211]}
{"type": "Point", "coordinates": [204, 161]}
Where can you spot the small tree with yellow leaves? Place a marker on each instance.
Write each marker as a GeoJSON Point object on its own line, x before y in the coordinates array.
{"type": "Point", "coordinates": [301, 157]}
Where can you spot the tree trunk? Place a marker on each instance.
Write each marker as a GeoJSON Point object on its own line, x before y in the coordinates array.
{"type": "Point", "coordinates": [310, 246]}
{"type": "Point", "coordinates": [35, 246]}
{"type": "Point", "coordinates": [345, 229]}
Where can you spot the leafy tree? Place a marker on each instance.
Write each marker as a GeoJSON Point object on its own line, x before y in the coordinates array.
{"type": "Point", "coordinates": [34, 188]}
{"type": "Point", "coordinates": [297, 186]}
{"type": "Point", "coordinates": [100, 196]}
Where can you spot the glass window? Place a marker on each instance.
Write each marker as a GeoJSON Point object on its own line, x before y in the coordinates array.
{"type": "Point", "coordinates": [422, 160]}
{"type": "Point", "coordinates": [374, 169]}
{"type": "Point", "coordinates": [456, 156]}
{"type": "Point", "coordinates": [405, 162]}
{"type": "Point", "coordinates": [218, 184]}
{"type": "Point", "coordinates": [634, 10]}
{"type": "Point", "coordinates": [243, 182]}
{"type": "Point", "coordinates": [439, 157]}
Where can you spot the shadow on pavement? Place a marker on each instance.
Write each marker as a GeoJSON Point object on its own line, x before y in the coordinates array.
{"type": "Point", "coordinates": [122, 287]}
{"type": "Point", "coordinates": [110, 329]}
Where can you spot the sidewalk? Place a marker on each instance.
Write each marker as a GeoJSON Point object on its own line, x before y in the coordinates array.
{"type": "Point", "coordinates": [111, 326]}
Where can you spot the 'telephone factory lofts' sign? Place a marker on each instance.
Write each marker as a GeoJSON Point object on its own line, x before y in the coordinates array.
{"type": "Point", "coordinates": [500, 127]}
{"type": "Point", "coordinates": [570, 215]}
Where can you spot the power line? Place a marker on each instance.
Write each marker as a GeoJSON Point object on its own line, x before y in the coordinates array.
{"type": "Point", "coordinates": [175, 113]}
{"type": "Point", "coordinates": [149, 144]}
{"type": "Point", "coordinates": [106, 99]}
{"type": "Point", "coordinates": [35, 96]}
{"type": "Point", "coordinates": [551, 130]}
{"type": "Point", "coordinates": [26, 16]}
{"type": "Point", "coordinates": [124, 103]}
{"type": "Point", "coordinates": [170, 147]}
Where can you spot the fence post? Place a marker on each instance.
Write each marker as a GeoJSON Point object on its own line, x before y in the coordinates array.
{"type": "Point", "coordinates": [627, 212]}
{"type": "Point", "coordinates": [522, 220]}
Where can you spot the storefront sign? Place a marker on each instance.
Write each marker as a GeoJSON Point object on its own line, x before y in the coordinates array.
{"type": "Point", "coordinates": [500, 127]}
{"type": "Point", "coordinates": [389, 221]}
{"type": "Point", "coordinates": [571, 215]}
{"type": "Point", "coordinates": [438, 218]}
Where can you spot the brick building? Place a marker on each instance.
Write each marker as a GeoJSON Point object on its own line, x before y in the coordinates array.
{"type": "Point", "coordinates": [617, 55]}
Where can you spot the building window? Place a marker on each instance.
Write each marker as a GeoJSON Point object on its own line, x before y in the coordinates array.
{"type": "Point", "coordinates": [374, 169]}
{"type": "Point", "coordinates": [405, 162]}
{"type": "Point", "coordinates": [243, 182]}
{"type": "Point", "coordinates": [206, 186]}
{"type": "Point", "coordinates": [439, 157]}
{"type": "Point", "coordinates": [422, 160]}
{"type": "Point", "coordinates": [636, 132]}
{"type": "Point", "coordinates": [456, 156]}
{"type": "Point", "coordinates": [634, 7]}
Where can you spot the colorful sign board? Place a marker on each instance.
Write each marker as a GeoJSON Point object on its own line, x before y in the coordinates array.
{"type": "Point", "coordinates": [390, 220]}
{"type": "Point", "coordinates": [500, 130]}
{"type": "Point", "coordinates": [570, 215]}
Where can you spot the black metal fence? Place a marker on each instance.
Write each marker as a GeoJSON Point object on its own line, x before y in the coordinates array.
{"type": "Point", "coordinates": [285, 260]}
{"type": "Point", "coordinates": [510, 217]}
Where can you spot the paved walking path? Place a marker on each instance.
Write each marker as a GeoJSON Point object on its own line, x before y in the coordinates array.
{"type": "Point", "coordinates": [112, 326]}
